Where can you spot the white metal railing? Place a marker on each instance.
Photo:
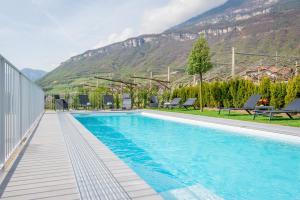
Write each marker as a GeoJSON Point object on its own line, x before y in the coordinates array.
{"type": "Point", "coordinates": [21, 106]}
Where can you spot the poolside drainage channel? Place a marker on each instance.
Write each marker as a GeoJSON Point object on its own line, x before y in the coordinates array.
{"type": "Point", "coordinates": [94, 180]}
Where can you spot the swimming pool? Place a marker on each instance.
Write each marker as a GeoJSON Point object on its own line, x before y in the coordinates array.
{"type": "Point", "coordinates": [188, 161]}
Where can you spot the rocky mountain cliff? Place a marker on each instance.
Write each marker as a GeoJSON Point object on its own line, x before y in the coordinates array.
{"type": "Point", "coordinates": [256, 26]}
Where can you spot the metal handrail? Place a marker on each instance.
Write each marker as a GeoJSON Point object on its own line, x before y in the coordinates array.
{"type": "Point", "coordinates": [21, 106]}
{"type": "Point", "coordinates": [11, 65]}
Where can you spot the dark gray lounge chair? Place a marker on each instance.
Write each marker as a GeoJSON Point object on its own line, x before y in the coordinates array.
{"type": "Point", "coordinates": [126, 102]}
{"type": "Point", "coordinates": [175, 102]}
{"type": "Point", "coordinates": [84, 101]}
{"type": "Point", "coordinates": [153, 102]}
{"type": "Point", "coordinates": [61, 104]}
{"type": "Point", "coordinates": [189, 103]}
{"type": "Point", "coordinates": [248, 106]}
{"type": "Point", "coordinates": [292, 108]}
{"type": "Point", "coordinates": [108, 101]}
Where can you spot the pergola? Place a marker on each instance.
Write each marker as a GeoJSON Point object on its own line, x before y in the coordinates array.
{"type": "Point", "coordinates": [130, 85]}
{"type": "Point", "coordinates": [161, 82]}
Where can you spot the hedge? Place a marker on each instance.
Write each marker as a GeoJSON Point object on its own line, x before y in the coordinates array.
{"type": "Point", "coordinates": [235, 92]}
{"type": "Point", "coordinates": [231, 93]}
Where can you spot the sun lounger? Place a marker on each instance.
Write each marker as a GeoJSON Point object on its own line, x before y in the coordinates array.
{"type": "Point", "coordinates": [153, 102]}
{"type": "Point", "coordinates": [126, 102]}
{"type": "Point", "coordinates": [289, 110]}
{"type": "Point", "coordinates": [61, 104]}
{"type": "Point", "coordinates": [84, 101]}
{"type": "Point", "coordinates": [175, 102]}
{"type": "Point", "coordinates": [108, 101]}
{"type": "Point", "coordinates": [189, 103]}
{"type": "Point", "coordinates": [248, 106]}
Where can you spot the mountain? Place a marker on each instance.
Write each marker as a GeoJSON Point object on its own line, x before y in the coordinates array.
{"type": "Point", "coordinates": [252, 26]}
{"type": "Point", "coordinates": [33, 74]}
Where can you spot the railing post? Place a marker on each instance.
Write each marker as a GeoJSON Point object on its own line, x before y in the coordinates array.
{"type": "Point", "coordinates": [20, 107]}
{"type": "Point", "coordinates": [2, 128]}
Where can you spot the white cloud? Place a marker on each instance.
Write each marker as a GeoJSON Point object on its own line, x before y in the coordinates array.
{"type": "Point", "coordinates": [175, 12]}
{"type": "Point", "coordinates": [116, 37]}
{"type": "Point", "coordinates": [159, 19]}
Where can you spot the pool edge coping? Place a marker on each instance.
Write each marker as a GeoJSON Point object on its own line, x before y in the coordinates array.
{"type": "Point", "coordinates": [130, 181]}
{"type": "Point", "coordinates": [271, 131]}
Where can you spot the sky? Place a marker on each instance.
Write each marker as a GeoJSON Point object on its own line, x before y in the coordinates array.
{"type": "Point", "coordinates": [41, 34]}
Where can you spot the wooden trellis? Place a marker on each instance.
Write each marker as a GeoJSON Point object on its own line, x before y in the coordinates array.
{"type": "Point", "coordinates": [161, 82]}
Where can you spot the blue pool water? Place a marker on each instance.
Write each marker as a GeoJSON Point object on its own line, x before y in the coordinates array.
{"type": "Point", "coordinates": [170, 155]}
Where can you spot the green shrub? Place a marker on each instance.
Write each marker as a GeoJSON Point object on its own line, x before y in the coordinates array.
{"type": "Point", "coordinates": [235, 92]}
{"type": "Point", "coordinates": [117, 100]}
{"type": "Point", "coordinates": [264, 87]}
{"type": "Point", "coordinates": [293, 89]}
{"type": "Point", "coordinates": [216, 94]}
{"type": "Point", "coordinates": [278, 93]}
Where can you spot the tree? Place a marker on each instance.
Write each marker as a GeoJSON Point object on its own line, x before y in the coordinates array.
{"type": "Point", "coordinates": [199, 62]}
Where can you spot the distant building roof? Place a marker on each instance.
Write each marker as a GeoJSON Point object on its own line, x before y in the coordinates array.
{"type": "Point", "coordinates": [278, 73]}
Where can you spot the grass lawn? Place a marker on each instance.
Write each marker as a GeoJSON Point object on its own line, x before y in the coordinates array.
{"type": "Point", "coordinates": [281, 120]}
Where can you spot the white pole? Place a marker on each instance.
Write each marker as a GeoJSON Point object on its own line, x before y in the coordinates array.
{"type": "Point", "coordinates": [296, 71]}
{"type": "Point", "coordinates": [169, 74]}
{"type": "Point", "coordinates": [97, 83]}
{"type": "Point", "coordinates": [151, 80]}
{"type": "Point", "coordinates": [122, 89]}
{"type": "Point", "coordinates": [233, 63]}
{"type": "Point", "coordinates": [194, 81]}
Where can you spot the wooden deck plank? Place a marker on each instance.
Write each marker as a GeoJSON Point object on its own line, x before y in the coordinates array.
{"type": "Point", "coordinates": [44, 170]}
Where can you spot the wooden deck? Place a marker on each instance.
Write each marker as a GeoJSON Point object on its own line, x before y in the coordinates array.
{"type": "Point", "coordinates": [43, 170]}
{"type": "Point", "coordinates": [64, 161]}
